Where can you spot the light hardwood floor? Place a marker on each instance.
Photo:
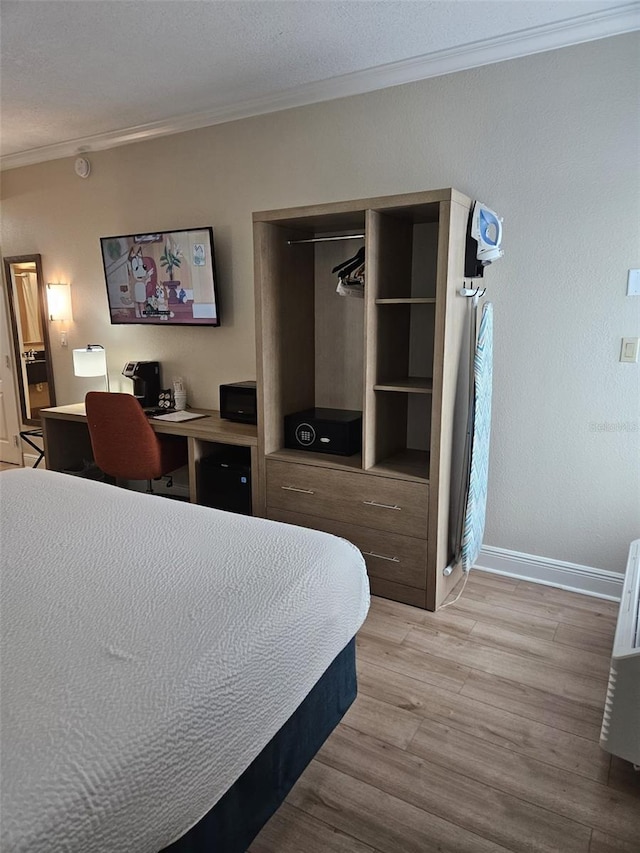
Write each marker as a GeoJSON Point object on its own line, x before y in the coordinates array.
{"type": "Point", "coordinates": [475, 730]}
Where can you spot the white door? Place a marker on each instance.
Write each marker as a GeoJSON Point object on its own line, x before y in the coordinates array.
{"type": "Point", "coordinates": [10, 450]}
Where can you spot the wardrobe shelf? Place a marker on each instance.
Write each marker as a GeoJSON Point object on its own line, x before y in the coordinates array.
{"type": "Point", "coordinates": [322, 460]}
{"type": "Point", "coordinates": [410, 300]}
{"type": "Point", "coordinates": [410, 465]}
{"type": "Point", "coordinates": [407, 384]}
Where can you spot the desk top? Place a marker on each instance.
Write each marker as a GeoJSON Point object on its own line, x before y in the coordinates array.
{"type": "Point", "coordinates": [210, 428]}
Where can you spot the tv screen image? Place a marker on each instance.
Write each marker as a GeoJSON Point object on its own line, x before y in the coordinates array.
{"type": "Point", "coordinates": [166, 278]}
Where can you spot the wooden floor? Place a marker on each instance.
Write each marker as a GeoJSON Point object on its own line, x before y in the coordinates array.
{"type": "Point", "coordinates": [475, 729]}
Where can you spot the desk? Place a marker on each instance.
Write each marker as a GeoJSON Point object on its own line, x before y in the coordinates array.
{"type": "Point", "coordinates": [67, 443]}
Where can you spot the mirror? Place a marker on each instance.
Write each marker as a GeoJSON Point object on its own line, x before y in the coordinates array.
{"type": "Point", "coordinates": [28, 313]}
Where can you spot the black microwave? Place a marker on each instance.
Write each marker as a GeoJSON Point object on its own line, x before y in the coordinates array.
{"type": "Point", "coordinates": [238, 402]}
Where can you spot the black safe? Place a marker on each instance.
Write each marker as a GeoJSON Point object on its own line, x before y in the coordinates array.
{"type": "Point", "coordinates": [336, 431]}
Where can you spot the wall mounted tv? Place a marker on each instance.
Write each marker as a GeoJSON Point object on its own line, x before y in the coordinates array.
{"type": "Point", "coordinates": [166, 278]}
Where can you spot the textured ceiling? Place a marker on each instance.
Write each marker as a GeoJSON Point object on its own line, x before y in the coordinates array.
{"type": "Point", "coordinates": [71, 70]}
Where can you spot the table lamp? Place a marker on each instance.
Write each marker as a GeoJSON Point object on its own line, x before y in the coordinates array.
{"type": "Point", "coordinates": [91, 361]}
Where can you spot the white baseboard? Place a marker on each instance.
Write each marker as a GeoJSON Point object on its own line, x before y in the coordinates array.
{"type": "Point", "coordinates": [599, 583]}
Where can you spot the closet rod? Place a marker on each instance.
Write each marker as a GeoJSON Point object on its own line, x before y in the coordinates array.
{"type": "Point", "coordinates": [327, 239]}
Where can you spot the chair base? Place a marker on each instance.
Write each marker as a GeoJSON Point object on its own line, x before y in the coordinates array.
{"type": "Point", "coordinates": [121, 482]}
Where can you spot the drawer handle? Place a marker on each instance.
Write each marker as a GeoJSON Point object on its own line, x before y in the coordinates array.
{"type": "Point", "coordinates": [382, 506]}
{"type": "Point", "coordinates": [293, 489]}
{"type": "Point", "coordinates": [382, 557]}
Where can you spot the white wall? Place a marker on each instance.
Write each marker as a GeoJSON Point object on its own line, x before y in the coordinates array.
{"type": "Point", "coordinates": [550, 141]}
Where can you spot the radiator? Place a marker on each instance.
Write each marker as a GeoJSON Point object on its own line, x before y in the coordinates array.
{"type": "Point", "coordinates": [620, 733]}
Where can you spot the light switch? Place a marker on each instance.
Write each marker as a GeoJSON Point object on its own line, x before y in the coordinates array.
{"type": "Point", "coordinates": [63, 339]}
{"type": "Point", "coordinates": [629, 350]}
{"type": "Point", "coordinates": [633, 283]}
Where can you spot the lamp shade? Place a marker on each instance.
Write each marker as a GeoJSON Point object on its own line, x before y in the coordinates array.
{"type": "Point", "coordinates": [91, 361]}
{"type": "Point", "coordinates": [59, 301]}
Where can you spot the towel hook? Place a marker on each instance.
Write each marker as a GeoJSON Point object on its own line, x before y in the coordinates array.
{"type": "Point", "coordinates": [467, 291]}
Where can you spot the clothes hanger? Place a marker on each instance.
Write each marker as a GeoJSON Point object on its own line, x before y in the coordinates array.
{"type": "Point", "coordinates": [351, 264]}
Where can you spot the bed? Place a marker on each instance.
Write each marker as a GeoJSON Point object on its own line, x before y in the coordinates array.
{"type": "Point", "coordinates": [168, 670]}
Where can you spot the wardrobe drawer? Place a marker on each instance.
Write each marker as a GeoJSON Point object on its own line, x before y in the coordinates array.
{"type": "Point", "coordinates": [399, 592]}
{"type": "Point", "coordinates": [381, 503]}
{"type": "Point", "coordinates": [388, 556]}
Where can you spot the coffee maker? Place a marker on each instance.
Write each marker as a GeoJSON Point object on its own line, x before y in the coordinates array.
{"type": "Point", "coordinates": [146, 381]}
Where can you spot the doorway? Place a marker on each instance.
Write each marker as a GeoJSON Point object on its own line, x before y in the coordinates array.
{"type": "Point", "coordinates": [10, 449]}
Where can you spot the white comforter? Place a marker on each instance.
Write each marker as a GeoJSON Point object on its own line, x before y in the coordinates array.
{"type": "Point", "coordinates": [151, 649]}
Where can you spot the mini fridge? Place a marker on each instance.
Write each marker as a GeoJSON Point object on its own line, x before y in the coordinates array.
{"type": "Point", "coordinates": [224, 479]}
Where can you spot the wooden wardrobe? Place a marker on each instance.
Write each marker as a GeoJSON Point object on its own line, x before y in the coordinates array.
{"type": "Point", "coordinates": [400, 355]}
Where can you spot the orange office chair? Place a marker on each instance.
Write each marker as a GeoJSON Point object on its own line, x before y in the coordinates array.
{"type": "Point", "coordinates": [124, 443]}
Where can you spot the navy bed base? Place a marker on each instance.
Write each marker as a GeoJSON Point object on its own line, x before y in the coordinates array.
{"type": "Point", "coordinates": [238, 817]}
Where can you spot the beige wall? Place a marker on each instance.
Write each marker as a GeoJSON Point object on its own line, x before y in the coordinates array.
{"type": "Point", "coordinates": [550, 141]}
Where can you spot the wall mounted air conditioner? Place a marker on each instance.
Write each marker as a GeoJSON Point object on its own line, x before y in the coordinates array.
{"type": "Point", "coordinates": [620, 732]}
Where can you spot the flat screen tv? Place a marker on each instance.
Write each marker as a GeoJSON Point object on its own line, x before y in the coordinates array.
{"type": "Point", "coordinates": [164, 278]}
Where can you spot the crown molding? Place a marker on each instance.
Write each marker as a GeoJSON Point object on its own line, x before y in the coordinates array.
{"type": "Point", "coordinates": [571, 31]}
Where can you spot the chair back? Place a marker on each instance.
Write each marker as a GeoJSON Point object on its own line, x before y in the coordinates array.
{"type": "Point", "coordinates": [123, 441]}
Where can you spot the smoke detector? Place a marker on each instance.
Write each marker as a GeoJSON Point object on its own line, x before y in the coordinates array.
{"type": "Point", "coordinates": [82, 167]}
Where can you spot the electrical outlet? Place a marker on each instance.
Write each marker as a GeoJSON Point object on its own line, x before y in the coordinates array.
{"type": "Point", "coordinates": [63, 339]}
{"type": "Point", "coordinates": [629, 350]}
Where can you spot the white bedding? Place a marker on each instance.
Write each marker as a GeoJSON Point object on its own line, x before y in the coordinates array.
{"type": "Point", "coordinates": [150, 650]}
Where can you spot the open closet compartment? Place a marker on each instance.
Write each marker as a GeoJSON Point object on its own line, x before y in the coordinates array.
{"type": "Point", "coordinates": [394, 354]}
{"type": "Point", "coordinates": [401, 299]}
{"type": "Point", "coordinates": [310, 339]}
